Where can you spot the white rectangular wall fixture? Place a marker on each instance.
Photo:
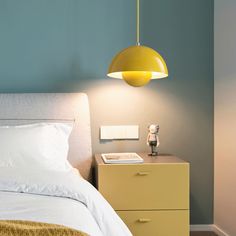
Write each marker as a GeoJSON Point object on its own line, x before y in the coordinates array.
{"type": "Point", "coordinates": [109, 132]}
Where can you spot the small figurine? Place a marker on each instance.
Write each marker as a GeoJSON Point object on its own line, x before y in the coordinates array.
{"type": "Point", "coordinates": [153, 139]}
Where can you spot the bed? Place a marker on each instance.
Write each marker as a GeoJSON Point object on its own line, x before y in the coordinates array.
{"type": "Point", "coordinates": [36, 183]}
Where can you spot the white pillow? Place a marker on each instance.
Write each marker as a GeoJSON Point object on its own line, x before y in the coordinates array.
{"type": "Point", "coordinates": [41, 145]}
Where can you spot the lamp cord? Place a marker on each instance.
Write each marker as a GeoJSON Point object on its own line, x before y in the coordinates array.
{"type": "Point", "coordinates": [137, 25]}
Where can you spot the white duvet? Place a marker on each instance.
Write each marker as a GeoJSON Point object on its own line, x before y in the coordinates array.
{"type": "Point", "coordinates": [57, 197]}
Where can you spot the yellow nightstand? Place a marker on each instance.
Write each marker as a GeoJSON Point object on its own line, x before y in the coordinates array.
{"type": "Point", "coordinates": [152, 198]}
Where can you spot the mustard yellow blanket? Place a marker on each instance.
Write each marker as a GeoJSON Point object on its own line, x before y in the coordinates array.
{"type": "Point", "coordinates": [29, 228]}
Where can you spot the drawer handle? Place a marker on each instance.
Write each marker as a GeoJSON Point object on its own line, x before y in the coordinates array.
{"type": "Point", "coordinates": [143, 173]}
{"type": "Point", "coordinates": [144, 220]}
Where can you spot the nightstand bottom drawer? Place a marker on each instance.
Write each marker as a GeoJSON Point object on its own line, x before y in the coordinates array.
{"type": "Point", "coordinates": [157, 223]}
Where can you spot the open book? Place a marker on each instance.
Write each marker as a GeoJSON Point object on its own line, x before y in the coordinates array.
{"type": "Point", "coordinates": [116, 158]}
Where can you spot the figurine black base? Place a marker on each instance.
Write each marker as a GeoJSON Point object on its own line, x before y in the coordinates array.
{"type": "Point", "coordinates": [153, 154]}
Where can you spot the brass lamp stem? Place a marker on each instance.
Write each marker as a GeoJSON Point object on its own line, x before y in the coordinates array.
{"type": "Point", "coordinates": [137, 25]}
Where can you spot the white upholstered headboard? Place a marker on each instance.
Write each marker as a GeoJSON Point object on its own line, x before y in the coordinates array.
{"type": "Point", "coordinates": [54, 107]}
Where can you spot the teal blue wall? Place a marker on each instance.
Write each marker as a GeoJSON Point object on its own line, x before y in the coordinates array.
{"type": "Point", "coordinates": [66, 46]}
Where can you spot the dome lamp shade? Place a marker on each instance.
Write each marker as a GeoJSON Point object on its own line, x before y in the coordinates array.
{"type": "Point", "coordinates": [138, 64]}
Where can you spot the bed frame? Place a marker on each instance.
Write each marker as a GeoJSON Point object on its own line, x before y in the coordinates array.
{"type": "Point", "coordinates": [28, 108]}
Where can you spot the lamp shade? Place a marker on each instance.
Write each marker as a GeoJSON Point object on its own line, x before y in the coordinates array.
{"type": "Point", "coordinates": [137, 65]}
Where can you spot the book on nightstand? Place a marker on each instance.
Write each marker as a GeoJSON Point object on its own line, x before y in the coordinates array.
{"type": "Point", "coordinates": [119, 158]}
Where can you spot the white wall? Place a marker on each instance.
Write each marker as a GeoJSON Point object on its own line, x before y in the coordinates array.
{"type": "Point", "coordinates": [225, 116]}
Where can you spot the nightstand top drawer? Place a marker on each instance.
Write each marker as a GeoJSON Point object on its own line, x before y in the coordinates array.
{"type": "Point", "coordinates": [145, 186]}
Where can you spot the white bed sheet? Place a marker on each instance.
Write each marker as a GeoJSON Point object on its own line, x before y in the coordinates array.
{"type": "Point", "coordinates": [54, 210]}
{"type": "Point", "coordinates": [57, 197]}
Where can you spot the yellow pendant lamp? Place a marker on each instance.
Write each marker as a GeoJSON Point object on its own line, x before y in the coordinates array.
{"type": "Point", "coordinates": [137, 65]}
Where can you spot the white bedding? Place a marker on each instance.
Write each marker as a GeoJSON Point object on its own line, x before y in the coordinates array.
{"type": "Point", "coordinates": [54, 210]}
{"type": "Point", "coordinates": [57, 197]}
